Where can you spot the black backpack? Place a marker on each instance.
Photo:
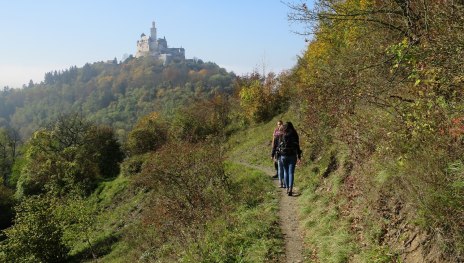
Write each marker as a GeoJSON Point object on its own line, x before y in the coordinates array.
{"type": "Point", "coordinates": [287, 146]}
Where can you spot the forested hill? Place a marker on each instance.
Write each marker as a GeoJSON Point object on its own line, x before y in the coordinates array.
{"type": "Point", "coordinates": [111, 93]}
{"type": "Point", "coordinates": [377, 99]}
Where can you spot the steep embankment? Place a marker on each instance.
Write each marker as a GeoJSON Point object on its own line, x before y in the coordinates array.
{"type": "Point", "coordinates": [353, 211]}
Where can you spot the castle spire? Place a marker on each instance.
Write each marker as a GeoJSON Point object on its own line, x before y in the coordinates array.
{"type": "Point", "coordinates": [153, 31]}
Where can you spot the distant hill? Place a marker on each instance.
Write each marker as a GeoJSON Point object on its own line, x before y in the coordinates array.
{"type": "Point", "coordinates": [112, 93]}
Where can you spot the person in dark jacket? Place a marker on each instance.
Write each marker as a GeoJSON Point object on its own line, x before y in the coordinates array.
{"type": "Point", "coordinates": [290, 154]}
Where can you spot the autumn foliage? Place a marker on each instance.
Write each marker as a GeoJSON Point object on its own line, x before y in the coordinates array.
{"type": "Point", "coordinates": [261, 97]}
{"type": "Point", "coordinates": [386, 79]}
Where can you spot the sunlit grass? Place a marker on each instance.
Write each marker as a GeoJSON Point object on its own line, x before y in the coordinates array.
{"type": "Point", "coordinates": [328, 233]}
{"type": "Point", "coordinates": [249, 234]}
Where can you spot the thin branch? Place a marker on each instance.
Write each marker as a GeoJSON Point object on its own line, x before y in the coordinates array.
{"type": "Point", "coordinates": [401, 98]}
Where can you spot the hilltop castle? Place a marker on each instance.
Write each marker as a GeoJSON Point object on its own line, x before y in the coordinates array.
{"type": "Point", "coordinates": [151, 46]}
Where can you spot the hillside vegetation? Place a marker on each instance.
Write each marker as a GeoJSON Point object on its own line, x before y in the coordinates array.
{"type": "Point", "coordinates": [150, 162]}
{"type": "Point", "coordinates": [381, 88]}
{"type": "Point", "coordinates": [111, 93]}
{"type": "Point", "coordinates": [75, 191]}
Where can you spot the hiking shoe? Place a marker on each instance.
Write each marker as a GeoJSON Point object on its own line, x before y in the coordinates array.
{"type": "Point", "coordinates": [275, 176]}
{"type": "Point", "coordinates": [290, 193]}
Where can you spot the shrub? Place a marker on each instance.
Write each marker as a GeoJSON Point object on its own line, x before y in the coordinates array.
{"type": "Point", "coordinates": [188, 186]}
{"type": "Point", "coordinates": [202, 119]}
{"type": "Point", "coordinates": [36, 235]}
{"type": "Point", "coordinates": [149, 134]}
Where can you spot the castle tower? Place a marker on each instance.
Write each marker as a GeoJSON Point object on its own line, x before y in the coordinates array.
{"type": "Point", "coordinates": [143, 46]}
{"type": "Point", "coordinates": [153, 32]}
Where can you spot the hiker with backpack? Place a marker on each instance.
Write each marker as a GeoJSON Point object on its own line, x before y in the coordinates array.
{"type": "Point", "coordinates": [275, 155]}
{"type": "Point", "coordinates": [290, 154]}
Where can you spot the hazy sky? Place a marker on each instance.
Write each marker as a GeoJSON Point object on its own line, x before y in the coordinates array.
{"type": "Point", "coordinates": [41, 36]}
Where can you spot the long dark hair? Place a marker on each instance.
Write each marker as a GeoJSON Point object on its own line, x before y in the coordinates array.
{"type": "Point", "coordinates": [288, 128]}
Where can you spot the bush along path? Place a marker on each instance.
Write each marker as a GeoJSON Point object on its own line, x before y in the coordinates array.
{"type": "Point", "coordinates": [289, 223]}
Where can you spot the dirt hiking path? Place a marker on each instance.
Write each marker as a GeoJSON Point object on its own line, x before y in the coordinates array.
{"type": "Point", "coordinates": [288, 217]}
{"type": "Point", "coordinates": [289, 223]}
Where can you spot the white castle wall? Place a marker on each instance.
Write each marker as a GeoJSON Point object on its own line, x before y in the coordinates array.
{"type": "Point", "coordinates": [143, 47]}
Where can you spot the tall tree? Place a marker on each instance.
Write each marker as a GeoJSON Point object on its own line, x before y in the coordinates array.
{"type": "Point", "coordinates": [72, 155]}
{"type": "Point", "coordinates": [9, 142]}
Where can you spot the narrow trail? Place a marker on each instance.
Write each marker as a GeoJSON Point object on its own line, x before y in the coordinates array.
{"type": "Point", "coordinates": [288, 217]}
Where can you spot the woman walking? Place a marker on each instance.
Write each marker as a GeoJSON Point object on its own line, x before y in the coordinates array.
{"type": "Point", "coordinates": [275, 154]}
{"type": "Point", "coordinates": [290, 154]}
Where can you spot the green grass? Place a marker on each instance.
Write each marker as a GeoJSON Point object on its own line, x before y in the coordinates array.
{"type": "Point", "coordinates": [250, 233]}
{"type": "Point", "coordinates": [113, 205]}
{"type": "Point", "coordinates": [252, 146]}
{"type": "Point", "coordinates": [328, 232]}
{"type": "Point", "coordinates": [378, 254]}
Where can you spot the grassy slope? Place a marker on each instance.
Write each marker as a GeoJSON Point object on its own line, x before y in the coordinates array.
{"type": "Point", "coordinates": [115, 206]}
{"type": "Point", "coordinates": [249, 234]}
